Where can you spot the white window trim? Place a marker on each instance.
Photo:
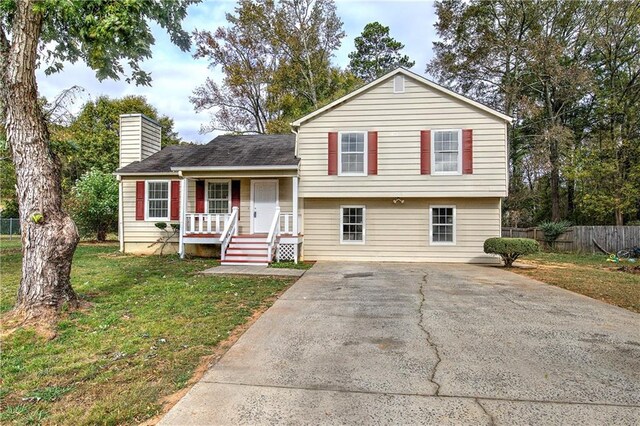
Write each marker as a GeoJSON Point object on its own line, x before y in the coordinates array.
{"type": "Point", "coordinates": [401, 77]}
{"type": "Point", "coordinates": [442, 243]}
{"type": "Point", "coordinates": [206, 193]}
{"type": "Point", "coordinates": [433, 152]}
{"type": "Point", "coordinates": [364, 223]}
{"type": "Point", "coordinates": [146, 201]}
{"type": "Point", "coordinates": [365, 167]}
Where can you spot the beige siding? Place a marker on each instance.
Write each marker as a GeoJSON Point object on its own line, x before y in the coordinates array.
{"type": "Point", "coordinates": [400, 232]}
{"type": "Point", "coordinates": [398, 118]}
{"type": "Point", "coordinates": [139, 138]}
{"type": "Point", "coordinates": [130, 134]}
{"type": "Point", "coordinates": [151, 137]}
{"type": "Point", "coordinates": [141, 231]}
{"type": "Point", "coordinates": [137, 231]}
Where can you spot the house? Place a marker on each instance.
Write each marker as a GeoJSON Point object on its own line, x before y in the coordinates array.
{"type": "Point", "coordinates": [401, 169]}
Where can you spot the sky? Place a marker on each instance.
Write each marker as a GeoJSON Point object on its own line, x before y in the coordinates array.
{"type": "Point", "coordinates": [176, 74]}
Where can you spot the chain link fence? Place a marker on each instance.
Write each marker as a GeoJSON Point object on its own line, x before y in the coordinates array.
{"type": "Point", "coordinates": [10, 228]}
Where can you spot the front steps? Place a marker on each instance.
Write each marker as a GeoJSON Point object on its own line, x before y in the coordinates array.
{"type": "Point", "coordinates": [247, 250]}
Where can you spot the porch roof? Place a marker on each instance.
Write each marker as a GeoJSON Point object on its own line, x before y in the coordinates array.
{"type": "Point", "coordinates": [224, 152]}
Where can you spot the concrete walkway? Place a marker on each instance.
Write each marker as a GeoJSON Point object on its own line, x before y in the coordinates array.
{"type": "Point", "coordinates": [253, 270]}
{"type": "Point", "coordinates": [425, 344]}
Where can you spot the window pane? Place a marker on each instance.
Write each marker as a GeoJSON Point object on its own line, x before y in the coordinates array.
{"type": "Point", "coordinates": [446, 147]}
{"type": "Point", "coordinates": [352, 151]}
{"type": "Point", "coordinates": [158, 205]}
{"type": "Point", "coordinates": [352, 224]}
{"type": "Point", "coordinates": [442, 224]}
{"type": "Point", "coordinates": [218, 196]}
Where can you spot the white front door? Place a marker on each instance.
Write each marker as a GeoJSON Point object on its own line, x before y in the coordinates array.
{"type": "Point", "coordinates": [265, 201]}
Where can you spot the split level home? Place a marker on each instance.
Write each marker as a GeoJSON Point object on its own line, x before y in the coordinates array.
{"type": "Point", "coordinates": [401, 169]}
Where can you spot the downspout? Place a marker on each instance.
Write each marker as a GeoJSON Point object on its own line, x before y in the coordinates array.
{"type": "Point", "coordinates": [295, 130]}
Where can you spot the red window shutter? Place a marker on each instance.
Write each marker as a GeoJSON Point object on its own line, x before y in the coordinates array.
{"type": "Point", "coordinates": [467, 151]}
{"type": "Point", "coordinates": [333, 153]}
{"type": "Point", "coordinates": [372, 155]}
{"type": "Point", "coordinates": [140, 200]}
{"type": "Point", "coordinates": [175, 200]}
{"type": "Point", "coordinates": [199, 196]}
{"type": "Point", "coordinates": [235, 195]}
{"type": "Point", "coordinates": [425, 152]}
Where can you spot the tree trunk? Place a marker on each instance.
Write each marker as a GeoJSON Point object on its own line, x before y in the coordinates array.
{"type": "Point", "coordinates": [554, 180]}
{"type": "Point", "coordinates": [49, 236]}
{"type": "Point", "coordinates": [619, 217]}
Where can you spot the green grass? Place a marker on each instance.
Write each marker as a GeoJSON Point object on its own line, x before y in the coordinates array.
{"type": "Point", "coordinates": [149, 322]}
{"type": "Point", "coordinates": [586, 274]}
{"type": "Point", "coordinates": [292, 265]}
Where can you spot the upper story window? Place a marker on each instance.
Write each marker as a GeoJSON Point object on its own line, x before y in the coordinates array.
{"type": "Point", "coordinates": [447, 152]}
{"type": "Point", "coordinates": [218, 197]}
{"type": "Point", "coordinates": [352, 151]}
{"type": "Point", "coordinates": [158, 200]}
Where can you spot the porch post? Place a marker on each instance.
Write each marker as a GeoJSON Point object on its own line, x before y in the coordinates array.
{"type": "Point", "coordinates": [295, 216]}
{"type": "Point", "coordinates": [184, 187]}
{"type": "Point", "coordinates": [295, 205]}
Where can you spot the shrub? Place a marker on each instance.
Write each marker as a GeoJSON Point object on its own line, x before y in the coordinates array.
{"type": "Point", "coordinates": [511, 248]}
{"type": "Point", "coordinates": [94, 203]}
{"type": "Point", "coordinates": [552, 230]}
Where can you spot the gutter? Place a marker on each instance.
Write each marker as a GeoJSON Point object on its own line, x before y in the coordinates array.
{"type": "Point", "coordinates": [146, 174]}
{"type": "Point", "coordinates": [233, 168]}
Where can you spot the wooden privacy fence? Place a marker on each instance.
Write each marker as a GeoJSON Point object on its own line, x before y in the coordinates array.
{"type": "Point", "coordinates": [581, 238]}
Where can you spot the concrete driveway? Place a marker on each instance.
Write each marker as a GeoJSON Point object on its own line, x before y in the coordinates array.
{"type": "Point", "coordinates": [356, 343]}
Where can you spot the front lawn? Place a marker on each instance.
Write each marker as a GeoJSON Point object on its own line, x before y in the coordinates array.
{"type": "Point", "coordinates": [147, 328]}
{"type": "Point", "coordinates": [586, 274]}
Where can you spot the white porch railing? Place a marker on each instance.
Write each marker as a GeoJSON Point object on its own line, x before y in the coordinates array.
{"type": "Point", "coordinates": [273, 231]}
{"type": "Point", "coordinates": [285, 224]}
{"type": "Point", "coordinates": [230, 229]}
{"type": "Point", "coordinates": [205, 223]}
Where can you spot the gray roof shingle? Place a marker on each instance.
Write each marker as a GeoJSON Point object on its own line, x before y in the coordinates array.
{"type": "Point", "coordinates": [223, 151]}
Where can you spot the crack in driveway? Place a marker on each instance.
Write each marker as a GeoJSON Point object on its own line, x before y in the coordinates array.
{"type": "Point", "coordinates": [428, 335]}
{"type": "Point", "coordinates": [484, 410]}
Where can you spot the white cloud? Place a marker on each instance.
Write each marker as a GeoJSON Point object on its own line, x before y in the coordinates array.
{"type": "Point", "coordinates": [176, 74]}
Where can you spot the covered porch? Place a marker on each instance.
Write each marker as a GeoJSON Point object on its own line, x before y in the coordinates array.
{"type": "Point", "coordinates": [252, 215]}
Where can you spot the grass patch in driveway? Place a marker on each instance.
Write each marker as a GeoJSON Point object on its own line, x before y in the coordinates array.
{"type": "Point", "coordinates": [292, 265]}
{"type": "Point", "coordinates": [150, 322]}
{"type": "Point", "coordinates": [586, 274]}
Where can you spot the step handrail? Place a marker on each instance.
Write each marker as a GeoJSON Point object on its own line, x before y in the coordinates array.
{"type": "Point", "coordinates": [230, 229]}
{"type": "Point", "coordinates": [273, 231]}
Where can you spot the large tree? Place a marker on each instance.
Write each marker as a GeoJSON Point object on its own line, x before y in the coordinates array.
{"type": "Point", "coordinates": [241, 51]}
{"type": "Point", "coordinates": [106, 35]}
{"type": "Point", "coordinates": [276, 60]}
{"type": "Point", "coordinates": [480, 54]}
{"type": "Point", "coordinates": [567, 71]}
{"type": "Point", "coordinates": [91, 140]}
{"type": "Point", "coordinates": [376, 53]}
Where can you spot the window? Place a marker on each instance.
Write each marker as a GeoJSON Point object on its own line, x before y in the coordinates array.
{"type": "Point", "coordinates": [447, 152]}
{"type": "Point", "coordinates": [352, 224]}
{"type": "Point", "coordinates": [443, 224]}
{"type": "Point", "coordinates": [398, 84]}
{"type": "Point", "coordinates": [218, 197]}
{"type": "Point", "coordinates": [158, 200]}
{"type": "Point", "coordinates": [352, 153]}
